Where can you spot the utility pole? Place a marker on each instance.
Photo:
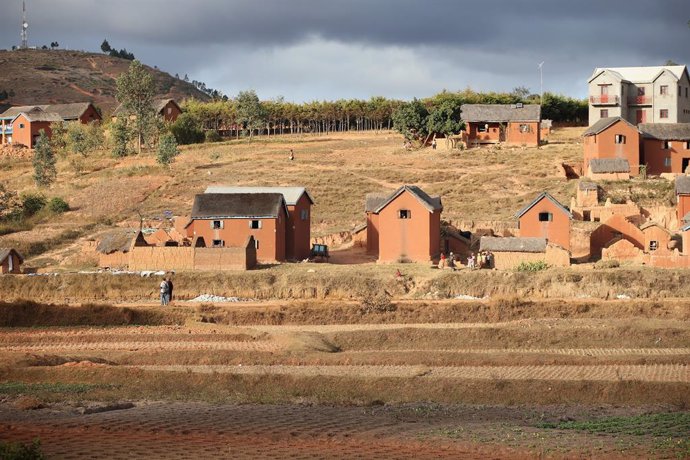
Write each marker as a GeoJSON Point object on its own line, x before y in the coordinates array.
{"type": "Point", "coordinates": [541, 82]}
{"type": "Point", "coordinates": [25, 27]}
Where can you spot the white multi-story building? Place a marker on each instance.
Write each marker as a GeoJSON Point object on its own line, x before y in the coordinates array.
{"type": "Point", "coordinates": [658, 94]}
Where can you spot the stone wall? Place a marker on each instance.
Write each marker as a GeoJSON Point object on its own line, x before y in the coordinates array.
{"type": "Point", "coordinates": [554, 256]}
{"type": "Point", "coordinates": [181, 258]}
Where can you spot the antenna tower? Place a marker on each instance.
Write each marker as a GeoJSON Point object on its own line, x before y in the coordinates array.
{"type": "Point", "coordinates": [25, 27]}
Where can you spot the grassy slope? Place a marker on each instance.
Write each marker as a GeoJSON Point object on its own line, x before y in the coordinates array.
{"type": "Point", "coordinates": [60, 76]}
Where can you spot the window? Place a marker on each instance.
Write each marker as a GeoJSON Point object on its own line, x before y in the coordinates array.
{"type": "Point", "coordinates": [256, 244]}
{"type": "Point", "coordinates": [666, 145]}
{"type": "Point", "coordinates": [482, 128]}
{"type": "Point", "coordinates": [218, 243]}
{"type": "Point", "coordinates": [404, 214]}
{"type": "Point", "coordinates": [686, 91]}
{"type": "Point", "coordinates": [21, 125]}
{"type": "Point", "coordinates": [545, 217]}
{"type": "Point", "coordinates": [304, 214]}
{"type": "Point", "coordinates": [663, 113]}
{"type": "Point", "coordinates": [667, 161]}
{"type": "Point", "coordinates": [169, 110]}
{"type": "Point", "coordinates": [687, 145]}
{"type": "Point", "coordinates": [524, 128]}
{"type": "Point", "coordinates": [653, 245]}
{"type": "Point", "coordinates": [663, 90]}
{"type": "Point", "coordinates": [254, 224]}
{"type": "Point", "coordinates": [604, 90]}
{"type": "Point", "coordinates": [640, 91]}
{"type": "Point", "coordinates": [619, 139]}
{"type": "Point", "coordinates": [604, 113]}
{"type": "Point", "coordinates": [217, 224]}
{"type": "Point", "coordinates": [679, 90]}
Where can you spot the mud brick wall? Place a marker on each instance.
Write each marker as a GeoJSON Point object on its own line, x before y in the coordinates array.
{"type": "Point", "coordinates": [554, 256]}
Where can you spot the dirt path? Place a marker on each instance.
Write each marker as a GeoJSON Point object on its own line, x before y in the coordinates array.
{"type": "Point", "coordinates": [609, 373]}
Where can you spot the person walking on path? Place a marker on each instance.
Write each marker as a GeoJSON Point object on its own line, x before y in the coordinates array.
{"type": "Point", "coordinates": [164, 288]}
{"type": "Point", "coordinates": [292, 155]}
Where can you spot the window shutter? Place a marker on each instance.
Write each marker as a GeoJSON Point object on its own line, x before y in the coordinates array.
{"type": "Point", "coordinates": [211, 223]}
{"type": "Point", "coordinates": [260, 223]}
{"type": "Point", "coordinates": [222, 224]}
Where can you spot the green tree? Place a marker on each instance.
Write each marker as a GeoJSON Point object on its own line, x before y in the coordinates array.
{"type": "Point", "coordinates": [250, 112]}
{"type": "Point", "coordinates": [77, 138]}
{"type": "Point", "coordinates": [105, 46]}
{"type": "Point", "coordinates": [44, 161]}
{"type": "Point", "coordinates": [9, 202]}
{"type": "Point", "coordinates": [167, 149]}
{"type": "Point", "coordinates": [411, 120]}
{"type": "Point", "coordinates": [445, 119]}
{"type": "Point", "coordinates": [58, 136]}
{"type": "Point", "coordinates": [135, 91]}
{"type": "Point", "coordinates": [121, 135]}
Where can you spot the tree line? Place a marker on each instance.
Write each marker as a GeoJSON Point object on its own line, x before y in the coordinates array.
{"type": "Point", "coordinates": [247, 115]}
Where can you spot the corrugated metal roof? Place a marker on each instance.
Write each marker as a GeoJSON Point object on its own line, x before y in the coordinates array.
{"type": "Point", "coordinates": [430, 203]}
{"type": "Point", "coordinates": [609, 165]}
{"type": "Point", "coordinates": [604, 123]}
{"type": "Point", "coordinates": [512, 244]}
{"type": "Point", "coordinates": [500, 112]}
{"type": "Point", "coordinates": [290, 194]}
{"type": "Point", "coordinates": [67, 112]}
{"type": "Point", "coordinates": [237, 205]}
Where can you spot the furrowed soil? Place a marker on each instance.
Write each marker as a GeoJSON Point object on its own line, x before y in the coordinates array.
{"type": "Point", "coordinates": [497, 378]}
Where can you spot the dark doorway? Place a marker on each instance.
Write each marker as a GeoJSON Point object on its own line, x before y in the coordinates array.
{"type": "Point", "coordinates": [684, 166]}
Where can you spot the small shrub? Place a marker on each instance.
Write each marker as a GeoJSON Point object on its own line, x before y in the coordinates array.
{"type": "Point", "coordinates": [21, 451]}
{"type": "Point", "coordinates": [58, 205]}
{"type": "Point", "coordinates": [213, 136]}
{"type": "Point", "coordinates": [32, 203]}
{"type": "Point", "coordinates": [376, 301]}
{"type": "Point", "coordinates": [536, 266]}
{"type": "Point", "coordinates": [607, 264]}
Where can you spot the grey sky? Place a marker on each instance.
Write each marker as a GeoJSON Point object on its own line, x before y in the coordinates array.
{"type": "Point", "coordinates": [323, 49]}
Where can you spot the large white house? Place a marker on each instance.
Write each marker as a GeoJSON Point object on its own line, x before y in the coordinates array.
{"type": "Point", "coordinates": [657, 94]}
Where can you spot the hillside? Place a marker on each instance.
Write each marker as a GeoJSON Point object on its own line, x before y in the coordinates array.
{"type": "Point", "coordinates": [59, 76]}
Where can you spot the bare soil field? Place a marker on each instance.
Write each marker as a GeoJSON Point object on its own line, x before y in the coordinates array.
{"type": "Point", "coordinates": [594, 383]}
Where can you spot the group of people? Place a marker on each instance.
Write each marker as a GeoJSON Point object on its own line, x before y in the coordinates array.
{"type": "Point", "coordinates": [166, 288]}
{"type": "Point", "coordinates": [483, 259]}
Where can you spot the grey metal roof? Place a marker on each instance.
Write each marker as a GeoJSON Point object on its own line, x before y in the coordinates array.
{"type": "Point", "coordinates": [67, 112]}
{"type": "Point", "coordinates": [603, 124]}
{"type": "Point", "coordinates": [609, 165]}
{"type": "Point", "coordinates": [4, 252]}
{"type": "Point", "coordinates": [237, 205]}
{"type": "Point", "coordinates": [500, 112]}
{"type": "Point", "coordinates": [683, 185]}
{"type": "Point", "coordinates": [665, 131]}
{"type": "Point", "coordinates": [39, 115]}
{"type": "Point", "coordinates": [290, 194]}
{"type": "Point", "coordinates": [586, 185]}
{"type": "Point", "coordinates": [512, 244]}
{"type": "Point", "coordinates": [540, 197]}
{"type": "Point", "coordinates": [430, 203]}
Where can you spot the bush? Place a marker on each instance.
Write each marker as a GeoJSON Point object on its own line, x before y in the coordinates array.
{"type": "Point", "coordinates": [58, 205]}
{"type": "Point", "coordinates": [167, 149]}
{"type": "Point", "coordinates": [32, 204]}
{"type": "Point", "coordinates": [213, 136]}
{"type": "Point", "coordinates": [607, 264]}
{"type": "Point", "coordinates": [536, 266]}
{"type": "Point", "coordinates": [21, 451]}
{"type": "Point", "coordinates": [186, 130]}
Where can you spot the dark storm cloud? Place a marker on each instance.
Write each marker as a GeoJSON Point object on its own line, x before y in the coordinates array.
{"type": "Point", "coordinates": [478, 43]}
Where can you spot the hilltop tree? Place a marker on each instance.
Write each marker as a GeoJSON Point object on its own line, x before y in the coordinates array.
{"type": "Point", "coordinates": [44, 161]}
{"type": "Point", "coordinates": [105, 46]}
{"type": "Point", "coordinates": [135, 92]}
{"type": "Point", "coordinates": [250, 112]}
{"type": "Point", "coordinates": [167, 150]}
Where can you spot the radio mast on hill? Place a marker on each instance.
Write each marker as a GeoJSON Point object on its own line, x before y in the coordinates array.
{"type": "Point", "coordinates": [25, 27]}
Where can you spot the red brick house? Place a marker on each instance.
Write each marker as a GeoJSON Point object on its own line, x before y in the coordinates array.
{"type": "Point", "coordinates": [612, 138]}
{"type": "Point", "coordinates": [683, 198]}
{"type": "Point", "coordinates": [10, 261]}
{"type": "Point", "coordinates": [666, 147]}
{"type": "Point", "coordinates": [298, 228]}
{"type": "Point", "coordinates": [404, 226]}
{"type": "Point", "coordinates": [515, 124]}
{"type": "Point", "coordinates": [22, 130]}
{"type": "Point", "coordinates": [167, 109]}
{"type": "Point", "coordinates": [228, 219]}
{"type": "Point", "coordinates": [546, 218]}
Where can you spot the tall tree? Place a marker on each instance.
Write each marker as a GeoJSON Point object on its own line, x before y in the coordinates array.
{"type": "Point", "coordinates": [44, 161]}
{"type": "Point", "coordinates": [135, 91]}
{"type": "Point", "coordinates": [105, 46]}
{"type": "Point", "coordinates": [411, 120]}
{"type": "Point", "coordinates": [250, 112]}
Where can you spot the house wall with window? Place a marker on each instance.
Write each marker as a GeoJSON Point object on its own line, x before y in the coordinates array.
{"type": "Point", "coordinates": [524, 132]}
{"type": "Point", "coordinates": [666, 156]}
{"type": "Point", "coordinates": [268, 233]}
{"type": "Point", "coordinates": [408, 231]}
{"type": "Point", "coordinates": [620, 140]}
{"type": "Point", "coordinates": [546, 220]}
{"type": "Point", "coordinates": [25, 132]}
{"type": "Point", "coordinates": [170, 111]}
{"type": "Point", "coordinates": [298, 231]}
{"type": "Point", "coordinates": [616, 226]}
{"type": "Point", "coordinates": [483, 132]}
{"type": "Point", "coordinates": [605, 95]}
{"type": "Point", "coordinates": [656, 239]}
{"type": "Point", "coordinates": [665, 106]}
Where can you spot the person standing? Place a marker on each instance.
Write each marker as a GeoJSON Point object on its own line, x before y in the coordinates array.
{"type": "Point", "coordinates": [170, 288]}
{"type": "Point", "coordinates": [292, 155]}
{"type": "Point", "coordinates": [164, 292]}
{"type": "Point", "coordinates": [433, 144]}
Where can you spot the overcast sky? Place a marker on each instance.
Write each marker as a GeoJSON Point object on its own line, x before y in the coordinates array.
{"type": "Point", "coordinates": [331, 49]}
